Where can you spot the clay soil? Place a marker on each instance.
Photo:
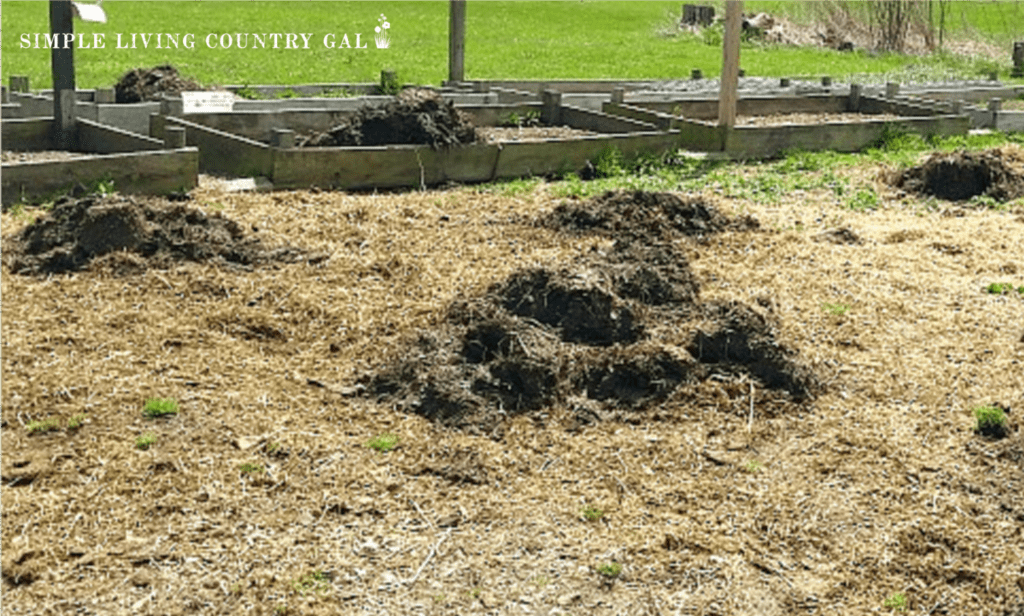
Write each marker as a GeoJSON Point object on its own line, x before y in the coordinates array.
{"type": "Point", "coordinates": [616, 347]}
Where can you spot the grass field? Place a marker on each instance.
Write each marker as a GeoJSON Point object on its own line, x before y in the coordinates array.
{"type": "Point", "coordinates": [539, 40]}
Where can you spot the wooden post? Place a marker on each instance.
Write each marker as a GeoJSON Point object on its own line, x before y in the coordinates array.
{"type": "Point", "coordinates": [730, 63]}
{"type": "Point", "coordinates": [62, 65]}
{"type": "Point", "coordinates": [456, 40]}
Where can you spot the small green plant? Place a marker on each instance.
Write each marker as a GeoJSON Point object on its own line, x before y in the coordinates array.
{"type": "Point", "coordinates": [145, 441]}
{"type": "Point", "coordinates": [383, 442]}
{"type": "Point", "coordinates": [315, 582]}
{"type": "Point", "coordinates": [610, 163]}
{"type": "Point", "coordinates": [439, 598]}
{"type": "Point", "coordinates": [389, 84]}
{"type": "Point", "coordinates": [104, 187]}
{"type": "Point", "coordinates": [247, 93]}
{"type": "Point", "coordinates": [999, 288]}
{"type": "Point", "coordinates": [43, 426]}
{"type": "Point", "coordinates": [864, 199]}
{"type": "Point", "coordinates": [76, 421]}
{"type": "Point", "coordinates": [896, 602]}
{"type": "Point", "coordinates": [158, 407]}
{"type": "Point", "coordinates": [592, 514]}
{"type": "Point", "coordinates": [610, 570]}
{"type": "Point", "coordinates": [990, 421]}
{"type": "Point", "coordinates": [541, 581]}
{"type": "Point", "coordinates": [281, 610]}
{"type": "Point", "coordinates": [753, 467]}
{"type": "Point", "coordinates": [273, 448]}
{"type": "Point", "coordinates": [236, 588]}
{"type": "Point", "coordinates": [474, 593]}
{"type": "Point", "coordinates": [836, 309]}
{"type": "Point", "coordinates": [251, 469]}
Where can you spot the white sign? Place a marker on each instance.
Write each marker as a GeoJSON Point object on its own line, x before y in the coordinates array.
{"type": "Point", "coordinates": [207, 102]}
{"type": "Point", "coordinates": [89, 12]}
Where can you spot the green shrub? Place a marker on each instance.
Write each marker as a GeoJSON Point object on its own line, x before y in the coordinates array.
{"type": "Point", "coordinates": [158, 407]}
{"type": "Point", "coordinates": [383, 442]}
{"type": "Point", "coordinates": [592, 514]}
{"type": "Point", "coordinates": [145, 441]}
{"type": "Point", "coordinates": [999, 288]}
{"type": "Point", "coordinates": [990, 421]}
{"type": "Point", "coordinates": [897, 602]}
{"type": "Point", "coordinates": [43, 426]}
{"type": "Point", "coordinates": [610, 570]}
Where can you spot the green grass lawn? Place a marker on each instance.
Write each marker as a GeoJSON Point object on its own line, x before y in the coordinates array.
{"type": "Point", "coordinates": [513, 40]}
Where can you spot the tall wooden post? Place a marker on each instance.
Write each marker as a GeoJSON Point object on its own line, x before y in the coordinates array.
{"type": "Point", "coordinates": [62, 65]}
{"type": "Point", "coordinates": [456, 40]}
{"type": "Point", "coordinates": [730, 63]}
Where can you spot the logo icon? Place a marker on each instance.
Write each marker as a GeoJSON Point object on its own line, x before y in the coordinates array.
{"type": "Point", "coordinates": [381, 38]}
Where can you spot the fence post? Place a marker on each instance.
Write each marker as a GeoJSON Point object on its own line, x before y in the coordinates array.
{"type": "Point", "coordinates": [456, 40]}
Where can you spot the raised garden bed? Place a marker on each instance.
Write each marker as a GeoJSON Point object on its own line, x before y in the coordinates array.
{"type": "Point", "coordinates": [769, 126]}
{"type": "Point", "coordinates": [33, 169]}
{"type": "Point", "coordinates": [244, 143]}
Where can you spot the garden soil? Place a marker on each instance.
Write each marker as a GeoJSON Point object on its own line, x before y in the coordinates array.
{"type": "Point", "coordinates": [614, 330]}
{"type": "Point", "coordinates": [416, 116]}
{"type": "Point", "coordinates": [709, 482]}
{"type": "Point", "coordinates": [958, 176]}
{"type": "Point", "coordinates": [125, 234]}
{"type": "Point", "coordinates": [150, 84]}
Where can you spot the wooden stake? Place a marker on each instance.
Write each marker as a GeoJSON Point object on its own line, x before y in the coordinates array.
{"type": "Point", "coordinates": [730, 63]}
{"type": "Point", "coordinates": [62, 65]}
{"type": "Point", "coordinates": [456, 40]}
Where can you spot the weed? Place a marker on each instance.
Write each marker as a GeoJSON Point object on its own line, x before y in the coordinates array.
{"type": "Point", "coordinates": [273, 448]}
{"type": "Point", "coordinates": [76, 421]}
{"type": "Point", "coordinates": [610, 570]}
{"type": "Point", "coordinates": [383, 442]}
{"type": "Point", "coordinates": [247, 93]}
{"type": "Point", "coordinates": [236, 588]}
{"type": "Point", "coordinates": [896, 602]}
{"type": "Point", "coordinates": [753, 467]}
{"type": "Point", "coordinates": [863, 200]}
{"type": "Point", "coordinates": [986, 202]}
{"type": "Point", "coordinates": [991, 421]}
{"type": "Point", "coordinates": [610, 163]}
{"type": "Point", "coordinates": [389, 84]}
{"type": "Point", "coordinates": [288, 93]}
{"type": "Point", "coordinates": [439, 598]}
{"type": "Point", "coordinates": [281, 610]}
{"type": "Point", "coordinates": [249, 468]}
{"type": "Point", "coordinates": [592, 514]}
{"type": "Point", "coordinates": [315, 582]}
{"type": "Point", "coordinates": [215, 206]}
{"type": "Point", "coordinates": [41, 427]}
{"type": "Point", "coordinates": [158, 407]}
{"type": "Point", "coordinates": [145, 441]}
{"type": "Point", "coordinates": [104, 187]}
{"type": "Point", "coordinates": [836, 309]}
{"type": "Point", "coordinates": [541, 581]}
{"type": "Point", "coordinates": [473, 593]}
{"type": "Point", "coordinates": [999, 288]}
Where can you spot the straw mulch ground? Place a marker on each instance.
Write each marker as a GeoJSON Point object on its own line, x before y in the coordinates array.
{"type": "Point", "coordinates": [876, 486]}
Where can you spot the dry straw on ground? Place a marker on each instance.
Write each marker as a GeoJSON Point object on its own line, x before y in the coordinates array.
{"type": "Point", "coordinates": [878, 486]}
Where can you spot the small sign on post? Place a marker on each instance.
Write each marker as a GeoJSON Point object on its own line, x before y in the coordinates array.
{"type": "Point", "coordinates": [89, 12]}
{"type": "Point", "coordinates": [207, 102]}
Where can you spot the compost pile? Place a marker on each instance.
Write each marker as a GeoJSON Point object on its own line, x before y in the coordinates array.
{"type": "Point", "coordinates": [957, 176]}
{"type": "Point", "coordinates": [641, 214]}
{"type": "Point", "coordinates": [149, 84]}
{"type": "Point", "coordinates": [416, 116]}
{"type": "Point", "coordinates": [129, 236]}
{"type": "Point", "coordinates": [609, 334]}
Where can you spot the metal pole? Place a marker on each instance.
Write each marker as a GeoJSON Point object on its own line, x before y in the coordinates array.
{"type": "Point", "coordinates": [730, 63]}
{"type": "Point", "coordinates": [62, 65]}
{"type": "Point", "coordinates": [456, 40]}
